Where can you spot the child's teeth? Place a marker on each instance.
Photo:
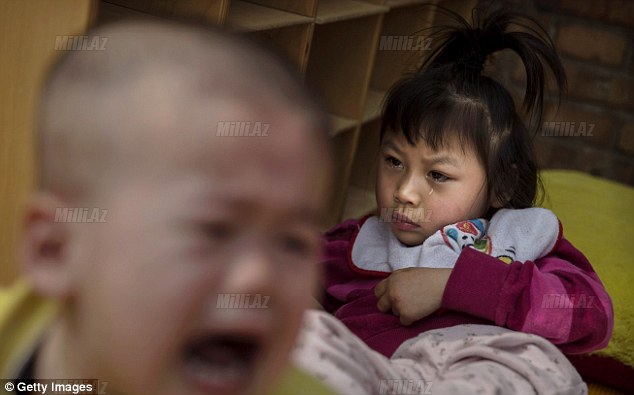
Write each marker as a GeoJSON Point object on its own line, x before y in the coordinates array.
{"type": "Point", "coordinates": [223, 373]}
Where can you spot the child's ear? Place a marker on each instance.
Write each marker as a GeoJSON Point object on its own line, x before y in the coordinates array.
{"type": "Point", "coordinates": [42, 253]}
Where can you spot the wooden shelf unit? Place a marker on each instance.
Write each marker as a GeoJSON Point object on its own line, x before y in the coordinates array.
{"type": "Point", "coordinates": [342, 47]}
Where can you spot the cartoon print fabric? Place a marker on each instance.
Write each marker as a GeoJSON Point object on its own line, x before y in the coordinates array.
{"type": "Point", "coordinates": [511, 235]}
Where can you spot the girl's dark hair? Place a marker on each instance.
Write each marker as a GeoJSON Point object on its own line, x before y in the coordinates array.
{"type": "Point", "coordinates": [448, 98]}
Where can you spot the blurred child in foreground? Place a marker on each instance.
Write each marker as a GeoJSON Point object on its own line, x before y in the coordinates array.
{"type": "Point", "coordinates": [191, 214]}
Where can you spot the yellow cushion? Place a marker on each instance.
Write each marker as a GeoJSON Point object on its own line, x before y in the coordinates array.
{"type": "Point", "coordinates": [598, 218]}
{"type": "Point", "coordinates": [297, 382]}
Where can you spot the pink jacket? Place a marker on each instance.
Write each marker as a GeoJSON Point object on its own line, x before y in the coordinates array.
{"type": "Point", "coordinates": [558, 297]}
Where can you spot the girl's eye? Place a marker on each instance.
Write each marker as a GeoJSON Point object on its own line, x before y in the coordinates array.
{"type": "Point", "coordinates": [438, 177]}
{"type": "Point", "coordinates": [393, 162]}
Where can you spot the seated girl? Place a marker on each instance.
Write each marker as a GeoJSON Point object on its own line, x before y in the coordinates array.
{"type": "Point", "coordinates": [458, 240]}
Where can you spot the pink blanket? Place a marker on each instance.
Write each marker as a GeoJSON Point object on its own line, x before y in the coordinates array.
{"type": "Point", "coordinates": [463, 359]}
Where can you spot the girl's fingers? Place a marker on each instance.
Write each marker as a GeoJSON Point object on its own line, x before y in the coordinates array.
{"type": "Point", "coordinates": [384, 304]}
{"type": "Point", "coordinates": [406, 321]}
{"type": "Point", "coordinates": [395, 311]}
{"type": "Point", "coordinates": [380, 288]}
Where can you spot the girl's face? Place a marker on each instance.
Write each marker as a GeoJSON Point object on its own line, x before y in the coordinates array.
{"type": "Point", "coordinates": [419, 190]}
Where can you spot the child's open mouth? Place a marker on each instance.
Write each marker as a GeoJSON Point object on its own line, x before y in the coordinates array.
{"type": "Point", "coordinates": [221, 363]}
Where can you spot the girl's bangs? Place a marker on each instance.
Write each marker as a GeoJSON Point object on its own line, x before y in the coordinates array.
{"type": "Point", "coordinates": [442, 123]}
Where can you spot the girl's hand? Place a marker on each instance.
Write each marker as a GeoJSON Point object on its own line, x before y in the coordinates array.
{"type": "Point", "coordinates": [412, 293]}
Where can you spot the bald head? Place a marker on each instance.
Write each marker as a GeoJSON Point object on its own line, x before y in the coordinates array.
{"type": "Point", "coordinates": [155, 86]}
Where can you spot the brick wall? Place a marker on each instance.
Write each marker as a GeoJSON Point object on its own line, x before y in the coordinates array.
{"type": "Point", "coordinates": [594, 39]}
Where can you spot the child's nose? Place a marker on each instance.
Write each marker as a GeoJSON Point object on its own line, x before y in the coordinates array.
{"type": "Point", "coordinates": [409, 191]}
{"type": "Point", "coordinates": [251, 270]}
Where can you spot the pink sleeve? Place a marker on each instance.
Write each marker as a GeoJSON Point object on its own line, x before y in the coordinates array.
{"type": "Point", "coordinates": [333, 264]}
{"type": "Point", "coordinates": [558, 297]}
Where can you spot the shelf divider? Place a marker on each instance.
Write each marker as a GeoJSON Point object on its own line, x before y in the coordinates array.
{"type": "Point", "coordinates": [245, 16]}
{"type": "Point", "coordinates": [329, 11]}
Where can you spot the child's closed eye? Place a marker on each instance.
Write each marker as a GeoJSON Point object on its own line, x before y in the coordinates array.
{"type": "Point", "coordinates": [295, 245]}
{"type": "Point", "coordinates": [217, 230]}
{"type": "Point", "coordinates": [300, 244]}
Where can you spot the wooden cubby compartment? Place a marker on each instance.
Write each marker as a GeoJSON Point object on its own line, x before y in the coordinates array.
{"type": "Point", "coordinates": [360, 198]}
{"type": "Point", "coordinates": [344, 145]}
{"type": "Point", "coordinates": [289, 33]}
{"type": "Point", "coordinates": [339, 69]}
{"type": "Point", "coordinates": [340, 62]}
{"type": "Point", "coordinates": [395, 59]}
{"type": "Point", "coordinates": [293, 42]}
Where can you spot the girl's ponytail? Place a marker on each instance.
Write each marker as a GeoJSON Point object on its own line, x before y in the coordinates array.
{"type": "Point", "coordinates": [467, 46]}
